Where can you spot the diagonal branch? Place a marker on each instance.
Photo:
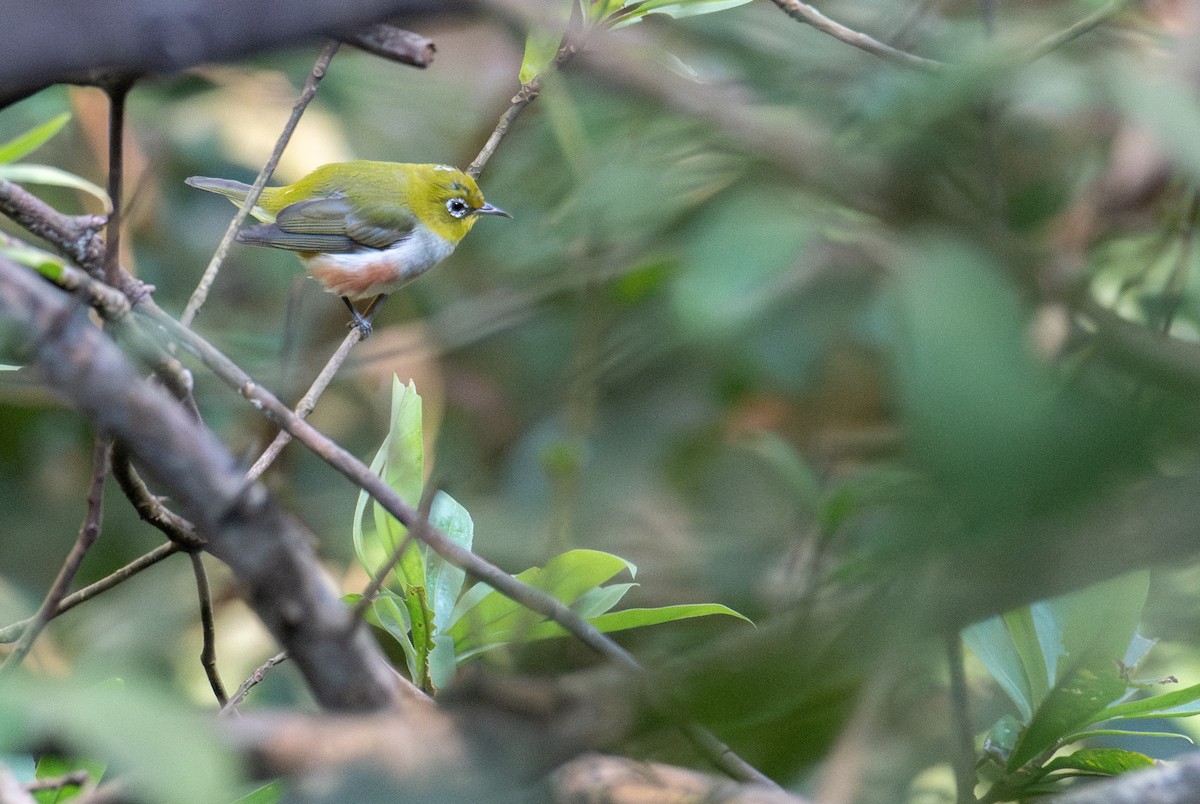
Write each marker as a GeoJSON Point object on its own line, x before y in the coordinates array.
{"type": "Point", "coordinates": [803, 12]}
{"type": "Point", "coordinates": [200, 294]}
{"type": "Point", "coordinates": [268, 552]}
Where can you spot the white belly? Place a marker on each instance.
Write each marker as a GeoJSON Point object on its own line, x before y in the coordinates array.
{"type": "Point", "coordinates": [364, 274]}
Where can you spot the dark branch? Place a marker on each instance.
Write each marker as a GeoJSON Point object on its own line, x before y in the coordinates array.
{"type": "Point", "coordinates": [65, 41]}
{"type": "Point", "coordinates": [269, 554]}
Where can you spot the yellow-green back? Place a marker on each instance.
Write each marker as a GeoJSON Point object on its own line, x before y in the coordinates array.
{"type": "Point", "coordinates": [389, 194]}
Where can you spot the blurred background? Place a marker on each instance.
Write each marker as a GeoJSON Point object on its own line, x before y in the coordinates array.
{"type": "Point", "coordinates": [785, 324]}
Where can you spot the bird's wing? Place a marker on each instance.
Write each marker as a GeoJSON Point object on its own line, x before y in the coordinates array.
{"type": "Point", "coordinates": [380, 225]}
{"type": "Point", "coordinates": [273, 235]}
{"type": "Point", "coordinates": [332, 223]}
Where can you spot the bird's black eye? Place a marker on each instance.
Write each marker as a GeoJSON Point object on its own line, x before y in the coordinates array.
{"type": "Point", "coordinates": [458, 207]}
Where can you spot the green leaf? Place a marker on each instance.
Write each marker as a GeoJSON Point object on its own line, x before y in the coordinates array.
{"type": "Point", "coordinates": [421, 630]}
{"type": "Point", "coordinates": [482, 611]}
{"type": "Point", "coordinates": [57, 177]}
{"type": "Point", "coordinates": [1178, 703]}
{"type": "Point", "coordinates": [267, 794]}
{"type": "Point", "coordinates": [596, 601]}
{"type": "Point", "coordinates": [50, 766]}
{"type": "Point", "coordinates": [674, 8]}
{"type": "Point", "coordinates": [47, 264]}
{"type": "Point", "coordinates": [1072, 704]}
{"type": "Point", "coordinates": [33, 139]}
{"type": "Point", "coordinates": [167, 751]}
{"type": "Point", "coordinates": [6, 367]}
{"type": "Point", "coordinates": [1087, 735]}
{"type": "Point", "coordinates": [541, 46]}
{"type": "Point", "coordinates": [391, 617]}
{"type": "Point", "coordinates": [1101, 761]}
{"type": "Point", "coordinates": [992, 644]}
{"type": "Point", "coordinates": [637, 618]}
{"type": "Point", "coordinates": [400, 461]}
{"type": "Point", "coordinates": [443, 580]}
{"type": "Point", "coordinates": [442, 662]}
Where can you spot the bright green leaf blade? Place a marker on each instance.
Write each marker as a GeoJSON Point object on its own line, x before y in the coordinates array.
{"type": "Point", "coordinates": [1178, 703]}
{"type": "Point", "coordinates": [1029, 627]}
{"type": "Point", "coordinates": [403, 468]}
{"type": "Point", "coordinates": [57, 177]}
{"type": "Point", "coordinates": [50, 766]}
{"type": "Point", "coordinates": [370, 556]}
{"type": "Point", "coordinates": [595, 602]}
{"type": "Point", "coordinates": [1104, 761]}
{"type": "Point", "coordinates": [6, 367]}
{"type": "Point", "coordinates": [675, 8]}
{"type": "Point", "coordinates": [482, 611]}
{"type": "Point", "coordinates": [541, 46]}
{"type": "Point", "coordinates": [1087, 735]}
{"type": "Point", "coordinates": [443, 580]}
{"type": "Point", "coordinates": [992, 645]}
{"type": "Point", "coordinates": [637, 618]}
{"type": "Point", "coordinates": [33, 139]}
{"type": "Point", "coordinates": [442, 662]}
{"type": "Point", "coordinates": [391, 617]}
{"type": "Point", "coordinates": [1071, 705]}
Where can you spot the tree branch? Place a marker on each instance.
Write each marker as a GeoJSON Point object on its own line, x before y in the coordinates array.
{"type": "Point", "coordinates": [269, 554]}
{"type": "Point", "coordinates": [803, 12]}
{"type": "Point", "coordinates": [58, 41]}
{"type": "Point", "coordinates": [214, 265]}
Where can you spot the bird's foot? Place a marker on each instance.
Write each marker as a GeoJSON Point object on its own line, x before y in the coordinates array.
{"type": "Point", "coordinates": [363, 325]}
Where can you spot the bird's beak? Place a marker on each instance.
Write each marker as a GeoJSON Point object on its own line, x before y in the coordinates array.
{"type": "Point", "coordinates": [488, 209]}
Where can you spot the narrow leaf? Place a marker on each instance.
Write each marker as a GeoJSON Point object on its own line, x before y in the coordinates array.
{"type": "Point", "coordinates": [33, 139]}
{"type": "Point", "coordinates": [57, 177]}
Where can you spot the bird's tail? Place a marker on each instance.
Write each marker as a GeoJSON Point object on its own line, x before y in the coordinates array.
{"type": "Point", "coordinates": [235, 191]}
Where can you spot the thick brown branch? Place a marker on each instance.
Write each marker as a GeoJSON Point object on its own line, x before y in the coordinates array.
{"type": "Point", "coordinates": [394, 44]}
{"type": "Point", "coordinates": [269, 554]}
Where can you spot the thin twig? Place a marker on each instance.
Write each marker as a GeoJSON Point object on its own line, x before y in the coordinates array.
{"type": "Point", "coordinates": [309, 401]}
{"type": "Point", "coordinates": [964, 737]}
{"type": "Point", "coordinates": [73, 779]}
{"type": "Point", "coordinates": [255, 678]}
{"type": "Point", "coordinates": [208, 653]}
{"type": "Point", "coordinates": [803, 12]}
{"type": "Point", "coordinates": [87, 537]}
{"type": "Point", "coordinates": [150, 508]}
{"type": "Point", "coordinates": [525, 95]}
{"type": "Point", "coordinates": [200, 294]}
{"type": "Point", "coordinates": [1076, 30]}
{"type": "Point", "coordinates": [479, 568]}
{"type": "Point", "coordinates": [11, 633]}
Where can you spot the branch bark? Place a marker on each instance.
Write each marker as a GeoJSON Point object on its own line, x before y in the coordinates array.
{"type": "Point", "coordinates": [269, 553]}
{"type": "Point", "coordinates": [60, 41]}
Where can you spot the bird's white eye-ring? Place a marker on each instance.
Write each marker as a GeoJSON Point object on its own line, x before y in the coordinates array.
{"type": "Point", "coordinates": [458, 207]}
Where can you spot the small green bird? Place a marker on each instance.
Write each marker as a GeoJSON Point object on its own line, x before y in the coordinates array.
{"type": "Point", "coordinates": [363, 229]}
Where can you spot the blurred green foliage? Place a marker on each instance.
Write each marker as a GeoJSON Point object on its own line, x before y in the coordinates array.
{"type": "Point", "coordinates": [790, 397]}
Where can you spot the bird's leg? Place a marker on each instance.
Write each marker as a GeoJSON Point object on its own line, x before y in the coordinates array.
{"type": "Point", "coordinates": [374, 306]}
{"type": "Point", "coordinates": [363, 324]}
